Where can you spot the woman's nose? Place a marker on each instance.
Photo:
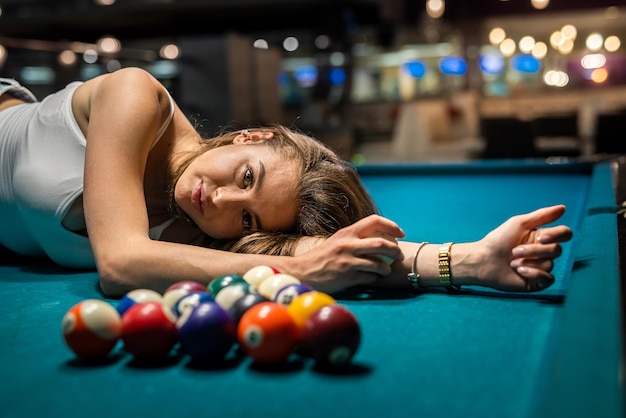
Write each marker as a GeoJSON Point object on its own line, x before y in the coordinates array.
{"type": "Point", "coordinates": [225, 196]}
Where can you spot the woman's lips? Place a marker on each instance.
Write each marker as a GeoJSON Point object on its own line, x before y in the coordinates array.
{"type": "Point", "coordinates": [197, 197]}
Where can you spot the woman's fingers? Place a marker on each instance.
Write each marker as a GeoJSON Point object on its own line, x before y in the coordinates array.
{"type": "Point", "coordinates": [537, 251]}
{"type": "Point", "coordinates": [544, 264]}
{"type": "Point", "coordinates": [559, 233]}
{"type": "Point", "coordinates": [375, 224]}
{"type": "Point", "coordinates": [536, 278]}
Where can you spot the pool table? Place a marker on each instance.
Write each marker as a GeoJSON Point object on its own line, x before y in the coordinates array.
{"type": "Point", "coordinates": [476, 353]}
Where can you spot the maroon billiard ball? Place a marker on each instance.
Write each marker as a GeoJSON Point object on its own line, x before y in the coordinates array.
{"type": "Point", "coordinates": [188, 285]}
{"type": "Point", "coordinates": [331, 336]}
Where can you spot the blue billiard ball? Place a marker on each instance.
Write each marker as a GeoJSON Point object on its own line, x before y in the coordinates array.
{"type": "Point", "coordinates": [288, 293]}
{"type": "Point", "coordinates": [207, 332]}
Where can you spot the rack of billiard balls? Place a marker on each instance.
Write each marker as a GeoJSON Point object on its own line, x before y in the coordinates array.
{"type": "Point", "coordinates": [267, 315]}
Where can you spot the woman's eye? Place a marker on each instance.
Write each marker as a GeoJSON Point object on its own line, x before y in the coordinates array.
{"type": "Point", "coordinates": [246, 221]}
{"type": "Point", "coordinates": [247, 178]}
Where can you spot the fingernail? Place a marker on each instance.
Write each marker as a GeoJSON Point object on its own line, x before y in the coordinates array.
{"type": "Point", "coordinates": [522, 270]}
{"type": "Point", "coordinates": [518, 251]}
{"type": "Point", "coordinates": [516, 263]}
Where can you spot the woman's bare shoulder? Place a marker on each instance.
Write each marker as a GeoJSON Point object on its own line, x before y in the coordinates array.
{"type": "Point", "coordinates": [127, 82]}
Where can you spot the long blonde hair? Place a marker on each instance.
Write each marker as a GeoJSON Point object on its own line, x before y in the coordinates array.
{"type": "Point", "coordinates": [329, 192]}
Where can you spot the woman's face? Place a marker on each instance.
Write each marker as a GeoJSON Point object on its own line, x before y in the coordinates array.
{"type": "Point", "coordinates": [235, 189]}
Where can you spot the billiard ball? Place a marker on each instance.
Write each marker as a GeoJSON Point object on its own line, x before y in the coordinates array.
{"type": "Point", "coordinates": [304, 305]}
{"type": "Point", "coordinates": [190, 301]}
{"type": "Point", "coordinates": [257, 274]}
{"type": "Point", "coordinates": [188, 285]}
{"type": "Point", "coordinates": [267, 333]}
{"type": "Point", "coordinates": [221, 282]}
{"type": "Point", "coordinates": [137, 296]}
{"type": "Point", "coordinates": [288, 293]}
{"type": "Point", "coordinates": [331, 336]}
{"type": "Point", "coordinates": [91, 328]}
{"type": "Point", "coordinates": [388, 237]}
{"type": "Point", "coordinates": [206, 332]}
{"type": "Point", "coordinates": [230, 294]}
{"type": "Point", "coordinates": [149, 330]}
{"type": "Point", "coordinates": [170, 297]}
{"type": "Point", "coordinates": [244, 303]}
{"type": "Point", "coordinates": [270, 286]}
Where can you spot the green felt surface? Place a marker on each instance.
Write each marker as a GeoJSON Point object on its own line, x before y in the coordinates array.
{"type": "Point", "coordinates": [476, 354]}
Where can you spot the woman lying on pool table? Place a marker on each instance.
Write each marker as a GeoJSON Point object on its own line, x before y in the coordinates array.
{"type": "Point", "coordinates": [110, 174]}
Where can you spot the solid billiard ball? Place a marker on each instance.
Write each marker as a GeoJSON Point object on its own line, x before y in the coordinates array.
{"type": "Point", "coordinates": [270, 286]}
{"type": "Point", "coordinates": [231, 294]}
{"type": "Point", "coordinates": [221, 282]}
{"type": "Point", "coordinates": [244, 303]}
{"type": "Point", "coordinates": [267, 333]}
{"type": "Point", "coordinates": [137, 296]}
{"type": "Point", "coordinates": [206, 332]}
{"type": "Point", "coordinates": [149, 330]}
{"type": "Point", "coordinates": [91, 328]}
{"type": "Point", "coordinates": [257, 274]}
{"type": "Point", "coordinates": [190, 301]}
{"type": "Point", "coordinates": [288, 293]}
{"type": "Point", "coordinates": [188, 285]}
{"type": "Point", "coordinates": [331, 336]}
{"type": "Point", "coordinates": [304, 305]}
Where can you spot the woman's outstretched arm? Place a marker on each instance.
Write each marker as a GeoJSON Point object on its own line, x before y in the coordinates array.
{"type": "Point", "coordinates": [517, 256]}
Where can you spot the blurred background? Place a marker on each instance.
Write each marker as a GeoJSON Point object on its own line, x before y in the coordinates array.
{"type": "Point", "coordinates": [377, 80]}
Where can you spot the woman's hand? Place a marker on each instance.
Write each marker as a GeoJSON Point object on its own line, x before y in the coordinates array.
{"type": "Point", "coordinates": [349, 257]}
{"type": "Point", "coordinates": [519, 254]}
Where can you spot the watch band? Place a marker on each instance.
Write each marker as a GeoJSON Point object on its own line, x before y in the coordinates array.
{"type": "Point", "coordinates": [445, 274]}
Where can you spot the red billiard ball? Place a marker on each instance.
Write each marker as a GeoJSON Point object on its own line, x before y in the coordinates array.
{"type": "Point", "coordinates": [91, 328]}
{"type": "Point", "coordinates": [137, 296]}
{"type": "Point", "coordinates": [331, 335]}
{"type": "Point", "coordinates": [267, 333]}
{"type": "Point", "coordinates": [206, 332]}
{"type": "Point", "coordinates": [148, 330]}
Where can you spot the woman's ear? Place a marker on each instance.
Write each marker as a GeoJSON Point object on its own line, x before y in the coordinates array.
{"type": "Point", "coordinates": [253, 137]}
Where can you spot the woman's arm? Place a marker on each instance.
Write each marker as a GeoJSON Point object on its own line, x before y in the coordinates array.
{"type": "Point", "coordinates": [516, 256]}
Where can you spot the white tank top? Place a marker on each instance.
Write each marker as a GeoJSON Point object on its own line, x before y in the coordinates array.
{"type": "Point", "coordinates": [42, 154]}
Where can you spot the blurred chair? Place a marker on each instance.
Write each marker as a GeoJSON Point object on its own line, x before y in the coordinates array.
{"type": "Point", "coordinates": [610, 136]}
{"type": "Point", "coordinates": [507, 138]}
{"type": "Point", "coordinates": [557, 136]}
